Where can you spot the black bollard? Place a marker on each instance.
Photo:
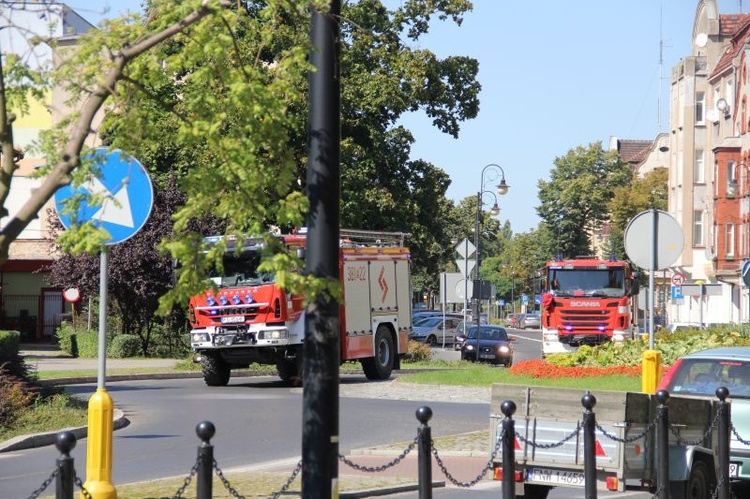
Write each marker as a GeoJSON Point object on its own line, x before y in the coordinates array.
{"type": "Point", "coordinates": [508, 408]}
{"type": "Point", "coordinates": [65, 442]}
{"type": "Point", "coordinates": [662, 445]}
{"type": "Point", "coordinates": [589, 445]}
{"type": "Point", "coordinates": [205, 431]}
{"type": "Point", "coordinates": [722, 434]}
{"type": "Point", "coordinates": [424, 437]}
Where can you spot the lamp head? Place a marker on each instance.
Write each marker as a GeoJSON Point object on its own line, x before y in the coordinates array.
{"type": "Point", "coordinates": [495, 210]}
{"type": "Point", "coordinates": [722, 105]}
{"type": "Point", "coordinates": [502, 188]}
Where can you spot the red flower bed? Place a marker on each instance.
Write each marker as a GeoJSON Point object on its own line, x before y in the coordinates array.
{"type": "Point", "coordinates": [541, 369]}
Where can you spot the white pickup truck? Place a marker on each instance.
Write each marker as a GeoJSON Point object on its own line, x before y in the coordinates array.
{"type": "Point", "coordinates": [547, 416]}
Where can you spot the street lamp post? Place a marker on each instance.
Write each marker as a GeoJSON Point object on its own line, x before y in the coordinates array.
{"type": "Point", "coordinates": [502, 189]}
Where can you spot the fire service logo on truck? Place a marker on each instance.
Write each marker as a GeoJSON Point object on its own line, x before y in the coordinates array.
{"type": "Point", "coordinates": [383, 284]}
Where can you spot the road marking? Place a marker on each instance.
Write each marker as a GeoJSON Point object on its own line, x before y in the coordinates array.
{"type": "Point", "coordinates": [525, 338]}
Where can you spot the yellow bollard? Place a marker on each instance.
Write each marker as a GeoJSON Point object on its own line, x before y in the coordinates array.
{"type": "Point", "coordinates": [99, 447]}
{"type": "Point", "coordinates": [650, 371]}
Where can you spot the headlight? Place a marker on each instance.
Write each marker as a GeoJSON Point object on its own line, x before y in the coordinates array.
{"type": "Point", "coordinates": [278, 334]}
{"type": "Point", "coordinates": [504, 349]}
{"type": "Point", "coordinates": [469, 346]}
{"type": "Point", "coordinates": [200, 337]}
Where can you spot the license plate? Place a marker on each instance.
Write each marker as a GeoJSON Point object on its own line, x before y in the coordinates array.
{"type": "Point", "coordinates": [555, 477]}
{"type": "Point", "coordinates": [734, 469]}
{"type": "Point", "coordinates": [486, 355]}
{"type": "Point", "coordinates": [232, 319]}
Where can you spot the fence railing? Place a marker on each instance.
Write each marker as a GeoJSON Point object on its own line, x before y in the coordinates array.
{"type": "Point", "coordinates": [205, 467]}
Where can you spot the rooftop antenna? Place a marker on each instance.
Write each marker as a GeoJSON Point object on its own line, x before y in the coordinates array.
{"type": "Point", "coordinates": [661, 66]}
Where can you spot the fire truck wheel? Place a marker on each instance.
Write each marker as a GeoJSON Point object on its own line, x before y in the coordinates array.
{"type": "Point", "coordinates": [215, 370]}
{"type": "Point", "coordinates": [381, 365]}
{"type": "Point", "coordinates": [290, 371]}
{"type": "Point", "coordinates": [534, 492]}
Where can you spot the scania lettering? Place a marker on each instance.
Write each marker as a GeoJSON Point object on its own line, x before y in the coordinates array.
{"type": "Point", "coordinates": [249, 319]}
{"type": "Point", "coordinates": [586, 301]}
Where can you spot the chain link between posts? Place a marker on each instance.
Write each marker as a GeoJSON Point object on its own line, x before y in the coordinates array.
{"type": "Point", "coordinates": [77, 481]}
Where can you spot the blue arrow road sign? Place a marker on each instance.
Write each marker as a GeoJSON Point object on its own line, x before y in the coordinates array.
{"type": "Point", "coordinates": [746, 273]}
{"type": "Point", "coordinates": [126, 189]}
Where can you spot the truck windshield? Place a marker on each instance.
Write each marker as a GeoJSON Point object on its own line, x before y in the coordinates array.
{"type": "Point", "coordinates": [587, 282]}
{"type": "Point", "coordinates": [241, 270]}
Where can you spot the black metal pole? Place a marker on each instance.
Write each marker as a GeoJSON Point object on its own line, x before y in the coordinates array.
{"type": "Point", "coordinates": [204, 476]}
{"type": "Point", "coordinates": [320, 411]}
{"type": "Point", "coordinates": [508, 408]}
{"type": "Point", "coordinates": [477, 282]}
{"type": "Point", "coordinates": [662, 445]}
{"type": "Point", "coordinates": [589, 445]}
{"type": "Point", "coordinates": [65, 442]}
{"type": "Point", "coordinates": [723, 435]}
{"type": "Point", "coordinates": [424, 435]}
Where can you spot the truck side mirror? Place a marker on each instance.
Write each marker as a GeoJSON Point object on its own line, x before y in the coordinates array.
{"type": "Point", "coordinates": [635, 287]}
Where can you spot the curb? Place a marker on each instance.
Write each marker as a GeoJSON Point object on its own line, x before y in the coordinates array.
{"type": "Point", "coordinates": [22, 442]}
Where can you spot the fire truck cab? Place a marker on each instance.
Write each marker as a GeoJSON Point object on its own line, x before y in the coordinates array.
{"type": "Point", "coordinates": [587, 301]}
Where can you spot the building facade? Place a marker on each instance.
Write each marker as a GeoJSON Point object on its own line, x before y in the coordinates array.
{"type": "Point", "coordinates": [708, 178]}
{"type": "Point", "coordinates": [27, 302]}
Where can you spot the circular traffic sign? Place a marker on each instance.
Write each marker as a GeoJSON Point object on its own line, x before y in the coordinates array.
{"type": "Point", "coordinates": [118, 197]}
{"type": "Point", "coordinates": [677, 279]}
{"type": "Point", "coordinates": [72, 295]}
{"type": "Point", "coordinates": [653, 240]}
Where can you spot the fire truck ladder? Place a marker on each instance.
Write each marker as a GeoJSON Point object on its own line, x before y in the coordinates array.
{"type": "Point", "coordinates": [376, 238]}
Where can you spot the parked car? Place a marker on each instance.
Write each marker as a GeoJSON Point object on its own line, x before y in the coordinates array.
{"type": "Point", "coordinates": [700, 374]}
{"type": "Point", "coordinates": [461, 331]}
{"type": "Point", "coordinates": [419, 317]}
{"type": "Point", "coordinates": [494, 345]}
{"type": "Point", "coordinates": [531, 320]}
{"type": "Point", "coordinates": [436, 330]}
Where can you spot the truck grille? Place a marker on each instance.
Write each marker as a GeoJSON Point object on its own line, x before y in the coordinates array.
{"type": "Point", "coordinates": [588, 319]}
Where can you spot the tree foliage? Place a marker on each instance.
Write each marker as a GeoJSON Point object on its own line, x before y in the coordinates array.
{"type": "Point", "coordinates": [649, 191]}
{"type": "Point", "coordinates": [574, 202]}
{"type": "Point", "coordinates": [91, 76]}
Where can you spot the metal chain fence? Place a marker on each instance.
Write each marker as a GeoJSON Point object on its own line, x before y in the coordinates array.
{"type": "Point", "coordinates": [482, 472]}
{"type": "Point", "coordinates": [378, 469]}
{"type": "Point", "coordinates": [441, 464]}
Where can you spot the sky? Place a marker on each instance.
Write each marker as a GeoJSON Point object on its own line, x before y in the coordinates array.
{"type": "Point", "coordinates": [555, 75]}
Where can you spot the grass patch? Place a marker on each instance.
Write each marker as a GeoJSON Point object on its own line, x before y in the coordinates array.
{"type": "Point", "coordinates": [470, 374]}
{"type": "Point", "coordinates": [259, 484]}
{"type": "Point", "coordinates": [84, 373]}
{"type": "Point", "coordinates": [48, 414]}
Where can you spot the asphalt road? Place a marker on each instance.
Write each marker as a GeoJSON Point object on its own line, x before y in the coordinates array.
{"type": "Point", "coordinates": [257, 420]}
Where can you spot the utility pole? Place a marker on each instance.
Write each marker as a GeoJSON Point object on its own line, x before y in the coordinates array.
{"type": "Point", "coordinates": [320, 411]}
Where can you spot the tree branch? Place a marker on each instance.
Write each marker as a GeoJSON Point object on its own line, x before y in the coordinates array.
{"type": "Point", "coordinates": [59, 176]}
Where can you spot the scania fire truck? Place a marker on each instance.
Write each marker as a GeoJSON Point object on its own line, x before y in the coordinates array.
{"type": "Point", "coordinates": [588, 301]}
{"type": "Point", "coordinates": [249, 319]}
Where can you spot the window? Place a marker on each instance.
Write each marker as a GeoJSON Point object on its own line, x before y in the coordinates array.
{"type": "Point", "coordinates": [699, 175]}
{"type": "Point", "coordinates": [729, 240]}
{"type": "Point", "coordinates": [731, 172]}
{"type": "Point", "coordinates": [731, 179]}
{"type": "Point", "coordinates": [697, 228]}
{"type": "Point", "coordinates": [700, 107]}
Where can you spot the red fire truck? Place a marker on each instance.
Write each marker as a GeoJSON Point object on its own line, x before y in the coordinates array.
{"type": "Point", "coordinates": [587, 301]}
{"type": "Point", "coordinates": [249, 319]}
